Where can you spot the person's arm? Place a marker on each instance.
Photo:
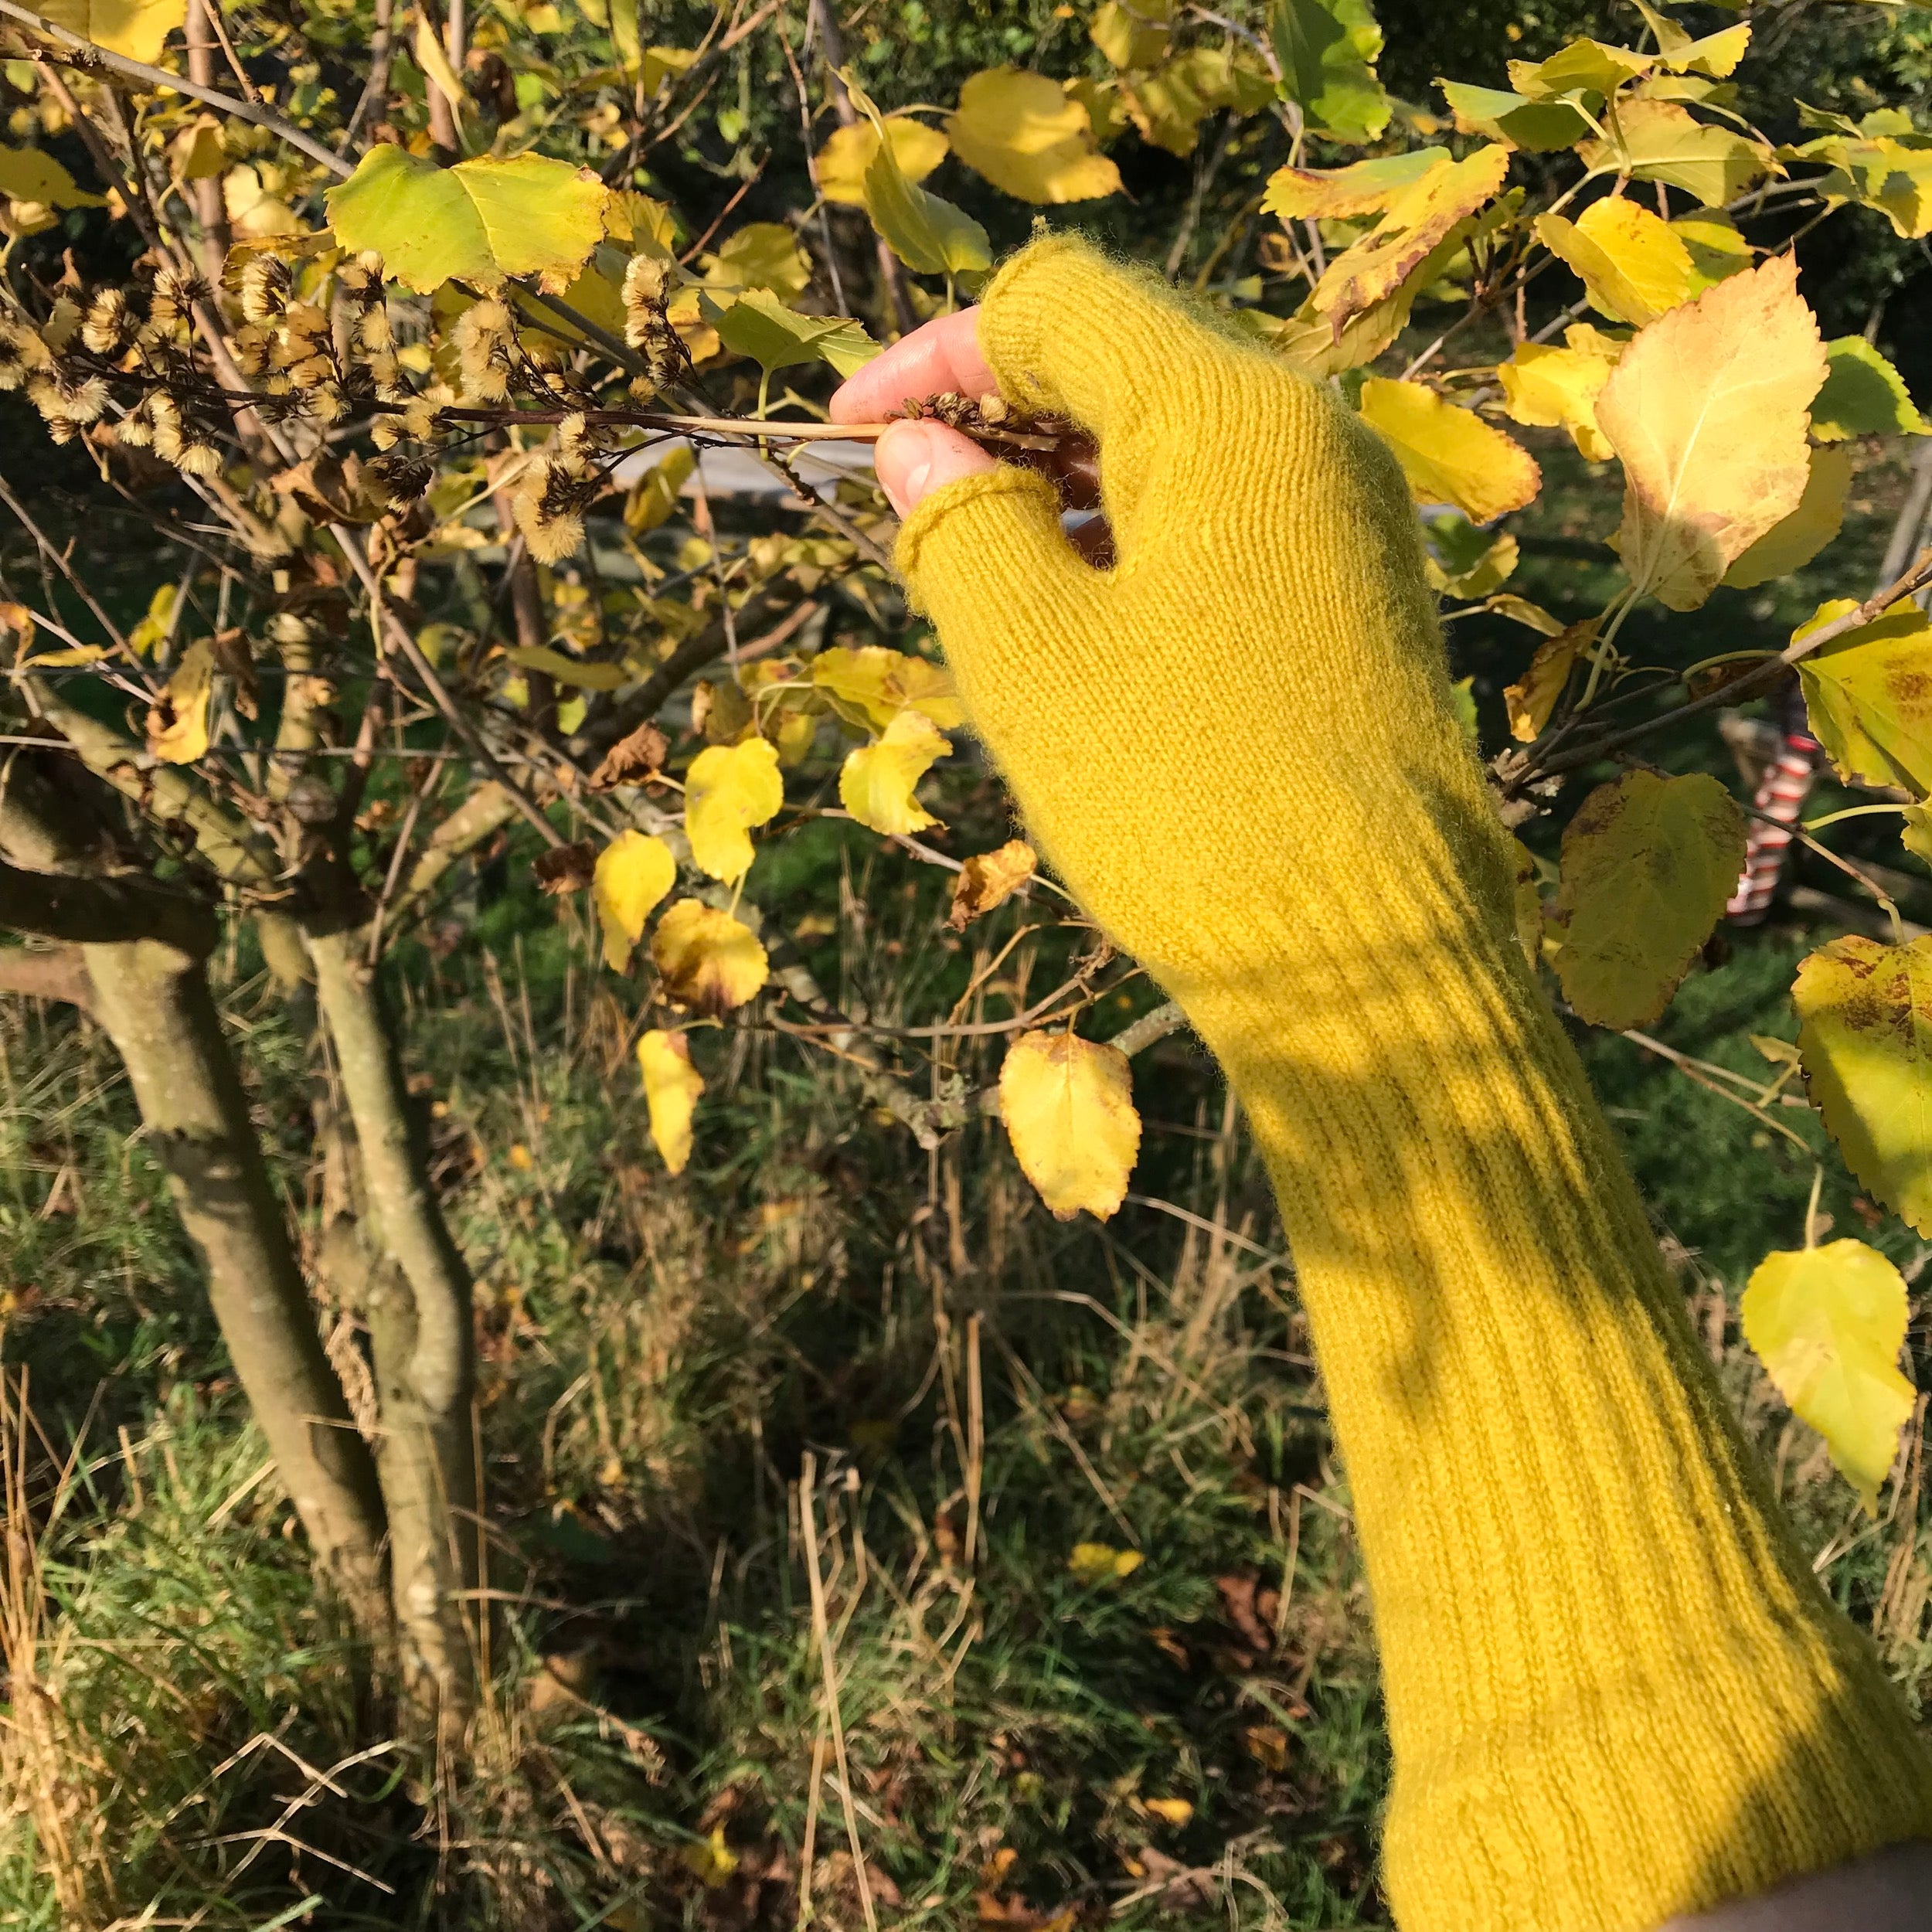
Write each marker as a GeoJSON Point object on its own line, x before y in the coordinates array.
{"type": "Point", "coordinates": [1616, 1695]}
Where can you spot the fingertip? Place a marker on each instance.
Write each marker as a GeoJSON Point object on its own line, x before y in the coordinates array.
{"type": "Point", "coordinates": [914, 458]}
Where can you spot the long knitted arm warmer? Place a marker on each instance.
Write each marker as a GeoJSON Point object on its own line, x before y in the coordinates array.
{"type": "Point", "coordinates": [1615, 1692]}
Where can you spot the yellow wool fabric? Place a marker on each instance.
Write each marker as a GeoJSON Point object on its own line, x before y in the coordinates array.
{"type": "Point", "coordinates": [1614, 1690]}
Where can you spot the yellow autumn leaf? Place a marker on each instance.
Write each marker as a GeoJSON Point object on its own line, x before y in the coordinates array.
{"type": "Point", "coordinates": [875, 782]}
{"type": "Point", "coordinates": [762, 254]}
{"type": "Point", "coordinates": [433, 60]}
{"type": "Point", "coordinates": [1717, 248]}
{"type": "Point", "coordinates": [1863, 395]}
{"type": "Point", "coordinates": [989, 878]}
{"type": "Point", "coordinates": [1827, 1324]}
{"type": "Point", "coordinates": [178, 724]}
{"type": "Point", "coordinates": [1531, 698]}
{"type": "Point", "coordinates": [1102, 1563]}
{"type": "Point", "coordinates": [26, 174]}
{"type": "Point", "coordinates": [1132, 35]}
{"type": "Point", "coordinates": [710, 1859]}
{"type": "Point", "coordinates": [479, 222]}
{"type": "Point", "coordinates": [1634, 266]}
{"type": "Point", "coordinates": [1548, 387]}
{"type": "Point", "coordinates": [150, 631]}
{"type": "Point", "coordinates": [1336, 194]}
{"type": "Point", "coordinates": [1865, 1037]}
{"type": "Point", "coordinates": [707, 958]}
{"type": "Point", "coordinates": [1792, 544]}
{"type": "Point", "coordinates": [672, 1085]}
{"type": "Point", "coordinates": [842, 162]}
{"type": "Point", "coordinates": [1648, 863]}
{"type": "Point", "coordinates": [634, 872]}
{"type": "Point", "coordinates": [1869, 696]}
{"type": "Point", "coordinates": [132, 27]}
{"type": "Point", "coordinates": [870, 685]}
{"type": "Point", "coordinates": [1658, 140]}
{"type": "Point", "coordinates": [1068, 1105]}
{"type": "Point", "coordinates": [1416, 222]}
{"type": "Point", "coordinates": [654, 495]}
{"type": "Point", "coordinates": [729, 789]}
{"type": "Point", "coordinates": [1020, 132]}
{"type": "Point", "coordinates": [1450, 455]}
{"type": "Point", "coordinates": [1175, 1811]}
{"type": "Point", "coordinates": [1707, 408]}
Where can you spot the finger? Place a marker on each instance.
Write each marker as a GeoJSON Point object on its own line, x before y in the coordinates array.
{"type": "Point", "coordinates": [941, 356]}
{"type": "Point", "coordinates": [914, 459]}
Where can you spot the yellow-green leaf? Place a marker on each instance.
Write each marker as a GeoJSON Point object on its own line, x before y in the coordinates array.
{"type": "Point", "coordinates": [434, 61]}
{"type": "Point", "coordinates": [1708, 408]}
{"type": "Point", "coordinates": [634, 872]}
{"type": "Point", "coordinates": [759, 326]}
{"type": "Point", "coordinates": [672, 1085]}
{"type": "Point", "coordinates": [1326, 51]}
{"type": "Point", "coordinates": [875, 783]}
{"type": "Point", "coordinates": [1716, 250]}
{"type": "Point", "coordinates": [1865, 1037]}
{"type": "Point", "coordinates": [1658, 140]}
{"type": "Point", "coordinates": [929, 235]}
{"type": "Point", "coordinates": [1551, 387]}
{"type": "Point", "coordinates": [478, 222]}
{"type": "Point", "coordinates": [153, 629]}
{"type": "Point", "coordinates": [1450, 455]}
{"type": "Point", "coordinates": [1827, 1324]}
{"type": "Point", "coordinates": [842, 162]}
{"type": "Point", "coordinates": [1869, 696]}
{"type": "Point", "coordinates": [1102, 1563]}
{"type": "Point", "coordinates": [1585, 65]}
{"type": "Point", "coordinates": [729, 789]}
{"type": "Point", "coordinates": [1634, 266]}
{"type": "Point", "coordinates": [137, 28]}
{"type": "Point", "coordinates": [1334, 194]}
{"type": "Point", "coordinates": [28, 174]}
{"type": "Point", "coordinates": [1463, 561]}
{"type": "Point", "coordinates": [1068, 1105]}
{"type": "Point", "coordinates": [1715, 54]}
{"type": "Point", "coordinates": [178, 724]}
{"type": "Point", "coordinates": [1792, 544]}
{"type": "Point", "coordinates": [1020, 130]}
{"type": "Point", "coordinates": [870, 685]}
{"type": "Point", "coordinates": [1540, 126]}
{"type": "Point", "coordinates": [1531, 698]}
{"type": "Point", "coordinates": [1648, 865]}
{"type": "Point", "coordinates": [707, 959]}
{"type": "Point", "coordinates": [762, 254]}
{"type": "Point", "coordinates": [1134, 34]}
{"type": "Point", "coordinates": [571, 671]}
{"type": "Point", "coordinates": [655, 494]}
{"type": "Point", "coordinates": [1863, 395]}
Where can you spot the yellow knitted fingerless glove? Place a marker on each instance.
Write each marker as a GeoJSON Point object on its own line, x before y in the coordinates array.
{"type": "Point", "coordinates": [1614, 1690]}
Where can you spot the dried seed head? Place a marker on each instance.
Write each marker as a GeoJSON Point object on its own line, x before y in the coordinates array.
{"type": "Point", "coordinates": [67, 397]}
{"type": "Point", "coordinates": [109, 326]}
{"type": "Point", "coordinates": [265, 284]}
{"type": "Point", "coordinates": [398, 480]}
{"type": "Point", "coordinates": [643, 295]}
{"type": "Point", "coordinates": [22, 353]}
{"type": "Point", "coordinates": [549, 506]}
{"type": "Point", "coordinates": [372, 329]}
{"type": "Point", "coordinates": [199, 458]}
{"type": "Point", "coordinates": [482, 336]}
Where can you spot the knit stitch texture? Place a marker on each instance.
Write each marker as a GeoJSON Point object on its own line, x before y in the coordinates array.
{"type": "Point", "coordinates": [1615, 1692]}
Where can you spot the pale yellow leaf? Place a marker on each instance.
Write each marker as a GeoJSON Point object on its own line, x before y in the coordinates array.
{"type": "Point", "coordinates": [136, 28]}
{"type": "Point", "coordinates": [1869, 696]}
{"type": "Point", "coordinates": [875, 782]}
{"type": "Point", "coordinates": [178, 724]}
{"type": "Point", "coordinates": [1363, 188]}
{"type": "Point", "coordinates": [762, 254]}
{"type": "Point", "coordinates": [1827, 1324]}
{"type": "Point", "coordinates": [1658, 140]}
{"type": "Point", "coordinates": [1550, 387]}
{"type": "Point", "coordinates": [1068, 1105]}
{"type": "Point", "coordinates": [1134, 35]}
{"type": "Point", "coordinates": [869, 685]}
{"type": "Point", "coordinates": [1708, 408]}
{"type": "Point", "coordinates": [707, 958]}
{"type": "Point", "coordinates": [1634, 266]}
{"type": "Point", "coordinates": [478, 222]}
{"type": "Point", "coordinates": [1648, 863]}
{"type": "Point", "coordinates": [1450, 455]}
{"type": "Point", "coordinates": [989, 878]}
{"type": "Point", "coordinates": [842, 162]}
{"type": "Point", "coordinates": [672, 1085]}
{"type": "Point", "coordinates": [1020, 132]}
{"type": "Point", "coordinates": [729, 789]}
{"type": "Point", "coordinates": [634, 872]}
{"type": "Point", "coordinates": [1792, 544]}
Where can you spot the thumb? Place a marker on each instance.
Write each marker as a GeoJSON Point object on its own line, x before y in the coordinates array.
{"type": "Point", "coordinates": [915, 458]}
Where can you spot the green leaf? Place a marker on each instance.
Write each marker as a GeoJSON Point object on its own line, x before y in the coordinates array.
{"type": "Point", "coordinates": [929, 235]}
{"type": "Point", "coordinates": [1648, 865]}
{"type": "Point", "coordinates": [479, 222]}
{"type": "Point", "coordinates": [1865, 1038]}
{"type": "Point", "coordinates": [1327, 51]}
{"type": "Point", "coordinates": [1541, 126]}
{"type": "Point", "coordinates": [570, 671]}
{"type": "Point", "coordinates": [1827, 1324]}
{"type": "Point", "coordinates": [759, 326]}
{"type": "Point", "coordinates": [1863, 395]}
{"type": "Point", "coordinates": [1869, 696]}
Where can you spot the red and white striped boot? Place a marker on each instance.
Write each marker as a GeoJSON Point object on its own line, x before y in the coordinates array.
{"type": "Point", "coordinates": [1781, 793]}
